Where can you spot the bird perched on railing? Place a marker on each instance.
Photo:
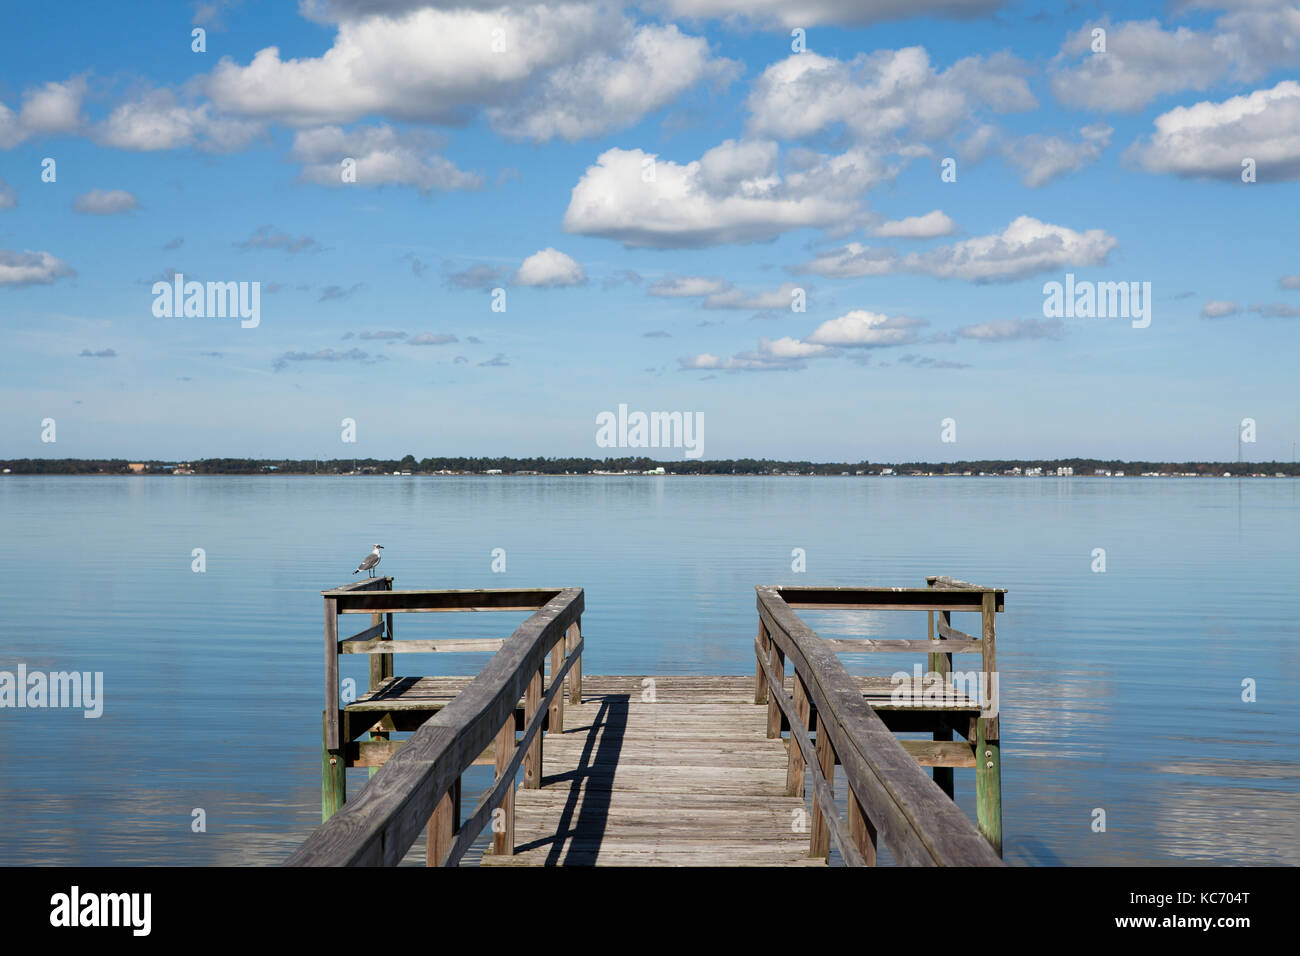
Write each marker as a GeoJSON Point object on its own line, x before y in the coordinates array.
{"type": "Point", "coordinates": [370, 560]}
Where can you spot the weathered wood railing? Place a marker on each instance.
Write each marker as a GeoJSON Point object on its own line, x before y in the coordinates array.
{"type": "Point", "coordinates": [890, 795]}
{"type": "Point", "coordinates": [421, 781]}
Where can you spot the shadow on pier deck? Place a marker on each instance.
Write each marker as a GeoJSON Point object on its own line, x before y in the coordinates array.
{"type": "Point", "coordinates": [660, 771]}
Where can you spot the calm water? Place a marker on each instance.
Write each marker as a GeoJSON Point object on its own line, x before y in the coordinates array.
{"type": "Point", "coordinates": [1120, 690]}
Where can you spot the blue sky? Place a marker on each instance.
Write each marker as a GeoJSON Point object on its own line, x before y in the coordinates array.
{"type": "Point", "coordinates": [504, 146]}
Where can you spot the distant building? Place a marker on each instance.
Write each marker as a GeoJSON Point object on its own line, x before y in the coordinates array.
{"type": "Point", "coordinates": [886, 471]}
{"type": "Point", "coordinates": [1065, 471]}
{"type": "Point", "coordinates": [137, 467]}
{"type": "Point", "coordinates": [493, 471]}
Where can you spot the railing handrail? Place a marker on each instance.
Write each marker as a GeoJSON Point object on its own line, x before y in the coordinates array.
{"type": "Point", "coordinates": [381, 824]}
{"type": "Point", "coordinates": [917, 820]}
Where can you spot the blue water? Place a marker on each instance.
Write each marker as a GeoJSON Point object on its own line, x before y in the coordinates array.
{"type": "Point", "coordinates": [1120, 691]}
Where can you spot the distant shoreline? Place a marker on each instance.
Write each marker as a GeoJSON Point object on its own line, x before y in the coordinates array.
{"type": "Point", "coordinates": [639, 467]}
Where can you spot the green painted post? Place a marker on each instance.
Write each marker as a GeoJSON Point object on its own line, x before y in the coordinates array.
{"type": "Point", "coordinates": [333, 784]}
{"type": "Point", "coordinates": [988, 787]}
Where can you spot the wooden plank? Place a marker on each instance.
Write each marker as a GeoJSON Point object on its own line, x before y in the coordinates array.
{"type": "Point", "coordinates": [442, 826]}
{"type": "Point", "coordinates": [775, 690]}
{"type": "Point", "coordinates": [898, 599]}
{"type": "Point", "coordinates": [947, 631]}
{"type": "Point", "coordinates": [334, 781]}
{"type": "Point", "coordinates": [942, 755]}
{"type": "Point", "coordinates": [503, 826]}
{"type": "Point", "coordinates": [863, 645]}
{"type": "Point", "coordinates": [861, 831]}
{"type": "Point", "coordinates": [488, 599]}
{"type": "Point", "coordinates": [532, 711]}
{"type": "Point", "coordinates": [362, 584]}
{"type": "Point", "coordinates": [820, 841]}
{"type": "Point", "coordinates": [331, 675]}
{"type": "Point", "coordinates": [555, 722]}
{"type": "Point", "coordinates": [764, 653]}
{"type": "Point", "coordinates": [360, 645]}
{"type": "Point", "coordinates": [572, 639]}
{"type": "Point", "coordinates": [794, 778]}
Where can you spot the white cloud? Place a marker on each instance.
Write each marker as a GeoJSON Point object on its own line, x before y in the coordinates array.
{"type": "Point", "coordinates": [158, 121]}
{"type": "Point", "coordinates": [105, 202]}
{"type": "Point", "coordinates": [31, 268]}
{"type": "Point", "coordinates": [863, 329]}
{"type": "Point", "coordinates": [877, 95]}
{"type": "Point", "coordinates": [1144, 61]}
{"type": "Point", "coordinates": [47, 110]}
{"type": "Point", "coordinates": [929, 226]}
{"type": "Point", "coordinates": [853, 261]}
{"type": "Point", "coordinates": [1218, 309]}
{"type": "Point", "coordinates": [806, 13]}
{"type": "Point", "coordinates": [731, 194]}
{"type": "Point", "coordinates": [738, 299]}
{"type": "Point", "coordinates": [601, 92]}
{"type": "Point", "coordinates": [1007, 330]}
{"type": "Point", "coordinates": [550, 268]}
{"type": "Point", "coordinates": [382, 154]}
{"type": "Point", "coordinates": [785, 353]}
{"type": "Point", "coordinates": [1044, 158]}
{"type": "Point", "coordinates": [1289, 282]}
{"type": "Point", "coordinates": [688, 286]}
{"type": "Point", "coordinates": [1211, 139]}
{"type": "Point", "coordinates": [1026, 247]}
{"type": "Point", "coordinates": [8, 199]}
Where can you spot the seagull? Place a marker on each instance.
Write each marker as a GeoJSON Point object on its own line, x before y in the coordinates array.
{"type": "Point", "coordinates": [370, 560]}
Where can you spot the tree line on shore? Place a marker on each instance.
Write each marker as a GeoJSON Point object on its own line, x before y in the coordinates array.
{"type": "Point", "coordinates": [1082, 467]}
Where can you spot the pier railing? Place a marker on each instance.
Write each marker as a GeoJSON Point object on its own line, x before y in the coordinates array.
{"type": "Point", "coordinates": [420, 782]}
{"type": "Point", "coordinates": [890, 795]}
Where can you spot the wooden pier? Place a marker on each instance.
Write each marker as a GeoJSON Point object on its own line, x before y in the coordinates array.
{"type": "Point", "coordinates": [660, 770]}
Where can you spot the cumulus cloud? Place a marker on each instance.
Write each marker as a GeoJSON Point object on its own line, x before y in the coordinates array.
{"type": "Point", "coordinates": [47, 110]}
{"type": "Point", "coordinates": [929, 226]}
{"type": "Point", "coordinates": [1044, 158]}
{"type": "Point", "coordinates": [733, 193]}
{"type": "Point", "coordinates": [863, 329]}
{"type": "Point", "coordinates": [157, 120]}
{"type": "Point", "coordinates": [429, 338]}
{"type": "Point", "coordinates": [540, 71]}
{"type": "Point", "coordinates": [1026, 247]}
{"type": "Point", "coordinates": [878, 95]}
{"type": "Point", "coordinates": [795, 13]}
{"type": "Point", "coordinates": [1218, 309]}
{"type": "Point", "coordinates": [382, 335]}
{"type": "Point", "coordinates": [688, 286]}
{"type": "Point", "coordinates": [382, 155]}
{"type": "Point", "coordinates": [105, 202]}
{"type": "Point", "coordinates": [1007, 330]}
{"type": "Point", "coordinates": [550, 268]}
{"type": "Point", "coordinates": [771, 355]}
{"type": "Point", "coordinates": [1210, 140]}
{"type": "Point", "coordinates": [102, 353]}
{"type": "Point", "coordinates": [1289, 282]}
{"type": "Point", "coordinates": [31, 268]}
{"type": "Point", "coordinates": [603, 92]}
{"type": "Point", "coordinates": [1144, 61]}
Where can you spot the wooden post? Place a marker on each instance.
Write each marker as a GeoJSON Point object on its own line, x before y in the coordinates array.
{"type": "Point", "coordinates": [861, 830]}
{"type": "Point", "coordinates": [377, 668]}
{"type": "Point", "coordinates": [760, 678]}
{"type": "Point", "coordinates": [533, 758]}
{"type": "Point", "coordinates": [331, 674]}
{"type": "Point", "coordinates": [794, 771]}
{"type": "Point", "coordinates": [773, 708]}
{"type": "Point", "coordinates": [820, 843]}
{"type": "Point", "coordinates": [988, 754]}
{"type": "Point", "coordinates": [443, 826]}
{"type": "Point", "coordinates": [333, 776]}
{"type": "Point", "coordinates": [503, 824]}
{"type": "Point", "coordinates": [572, 636]}
{"type": "Point", "coordinates": [555, 721]}
{"type": "Point", "coordinates": [942, 664]}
